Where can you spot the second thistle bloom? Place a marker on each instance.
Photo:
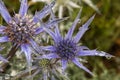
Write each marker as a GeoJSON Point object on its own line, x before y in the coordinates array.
{"type": "Point", "coordinates": [67, 48]}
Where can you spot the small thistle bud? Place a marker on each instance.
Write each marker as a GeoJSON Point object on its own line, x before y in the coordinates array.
{"type": "Point", "coordinates": [44, 63]}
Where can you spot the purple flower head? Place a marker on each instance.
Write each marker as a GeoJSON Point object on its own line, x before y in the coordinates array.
{"type": "Point", "coordinates": [67, 49]}
{"type": "Point", "coordinates": [21, 28]}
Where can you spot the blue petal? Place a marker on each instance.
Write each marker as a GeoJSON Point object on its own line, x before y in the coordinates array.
{"type": "Point", "coordinates": [23, 7]}
{"type": "Point", "coordinates": [45, 11]}
{"type": "Point", "coordinates": [57, 32]}
{"type": "Point", "coordinates": [49, 48]}
{"type": "Point", "coordinates": [2, 28]}
{"type": "Point", "coordinates": [49, 56]}
{"type": "Point", "coordinates": [54, 22]}
{"type": "Point", "coordinates": [71, 30]}
{"type": "Point", "coordinates": [4, 39]}
{"type": "Point", "coordinates": [83, 48]}
{"type": "Point", "coordinates": [76, 62]}
{"type": "Point", "coordinates": [35, 45]}
{"type": "Point", "coordinates": [3, 59]}
{"type": "Point", "coordinates": [83, 29]}
{"type": "Point", "coordinates": [26, 49]}
{"type": "Point", "coordinates": [38, 30]}
{"type": "Point", "coordinates": [51, 33]}
{"type": "Point", "coordinates": [4, 12]}
{"type": "Point", "coordinates": [64, 65]}
{"type": "Point", "coordinates": [49, 24]}
{"type": "Point", "coordinates": [93, 53]}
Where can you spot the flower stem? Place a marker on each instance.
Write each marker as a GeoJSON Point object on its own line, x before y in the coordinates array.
{"type": "Point", "coordinates": [9, 57]}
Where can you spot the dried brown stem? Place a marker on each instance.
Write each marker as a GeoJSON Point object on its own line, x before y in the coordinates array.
{"type": "Point", "coordinates": [9, 57]}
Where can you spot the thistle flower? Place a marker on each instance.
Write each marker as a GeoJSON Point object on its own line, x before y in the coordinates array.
{"type": "Point", "coordinates": [69, 4]}
{"type": "Point", "coordinates": [49, 69]}
{"type": "Point", "coordinates": [21, 28]}
{"type": "Point", "coordinates": [67, 48]}
{"type": "Point", "coordinates": [45, 68]}
{"type": "Point", "coordinates": [61, 4]}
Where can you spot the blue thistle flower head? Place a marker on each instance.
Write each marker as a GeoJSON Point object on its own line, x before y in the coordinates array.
{"type": "Point", "coordinates": [67, 49]}
{"type": "Point", "coordinates": [21, 28]}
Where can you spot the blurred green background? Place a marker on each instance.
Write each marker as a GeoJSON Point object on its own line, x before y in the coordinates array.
{"type": "Point", "coordinates": [103, 34]}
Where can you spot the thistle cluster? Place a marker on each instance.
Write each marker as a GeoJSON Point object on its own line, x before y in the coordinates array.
{"type": "Point", "coordinates": [21, 31]}
{"type": "Point", "coordinates": [62, 5]}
